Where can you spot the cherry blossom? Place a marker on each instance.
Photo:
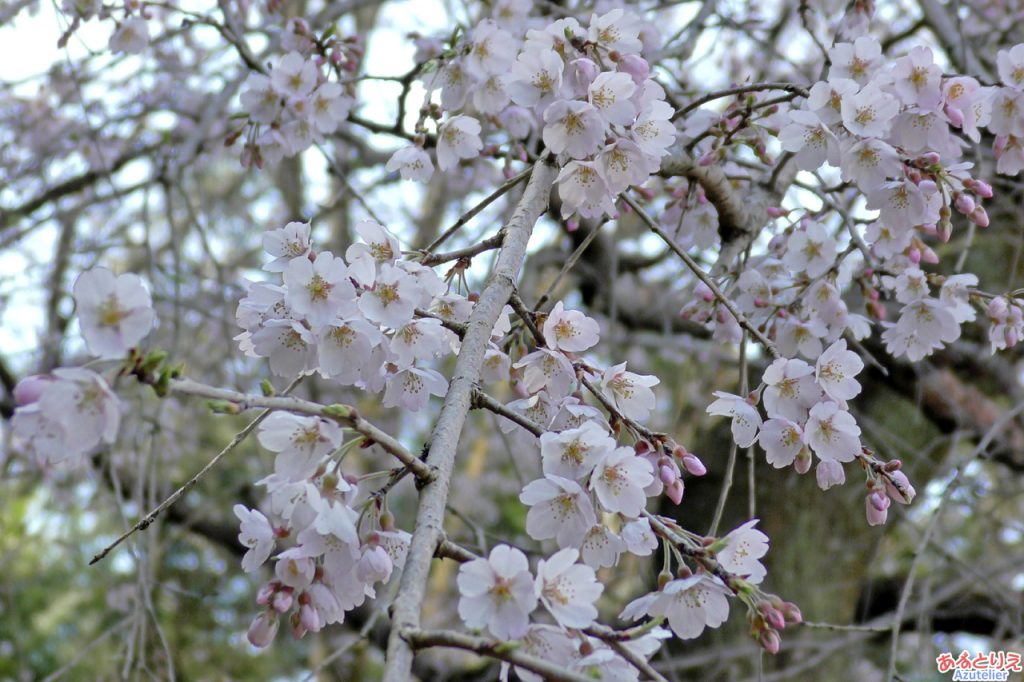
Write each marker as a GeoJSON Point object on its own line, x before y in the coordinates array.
{"type": "Point", "coordinates": [573, 453]}
{"type": "Point", "coordinates": [411, 387]}
{"type": "Point", "coordinates": [789, 389]}
{"type": "Point", "coordinates": [497, 593]}
{"type": "Point", "coordinates": [746, 420]}
{"type": "Point", "coordinates": [782, 441]}
{"type": "Point", "coordinates": [574, 127]}
{"type": "Point", "coordinates": [811, 250]}
{"type": "Point", "coordinates": [832, 433]}
{"type": "Point", "coordinates": [567, 589]}
{"type": "Point", "coordinates": [630, 393]}
{"type": "Point", "coordinates": [836, 369]}
{"type": "Point", "coordinates": [570, 330]}
{"type": "Point", "coordinates": [559, 508]}
{"type": "Point", "coordinates": [115, 311]}
{"type": "Point", "coordinates": [458, 138]}
{"type": "Point", "coordinates": [739, 552]}
{"type": "Point", "coordinates": [319, 290]}
{"type": "Point", "coordinates": [300, 442]}
{"type": "Point", "coordinates": [619, 480]}
{"type": "Point", "coordinates": [257, 535]}
{"type": "Point", "coordinates": [690, 605]}
{"type": "Point", "coordinates": [413, 163]}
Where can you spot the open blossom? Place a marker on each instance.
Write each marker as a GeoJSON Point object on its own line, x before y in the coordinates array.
{"type": "Point", "coordinates": [256, 535]}
{"type": "Point", "coordinates": [378, 246]}
{"type": "Point", "coordinates": [344, 349]}
{"type": "Point", "coordinates": [535, 80]}
{"type": "Point", "coordinates": [789, 389]}
{"type": "Point", "coordinates": [131, 36]}
{"type": "Point", "coordinates": [301, 442]}
{"type": "Point", "coordinates": [870, 112]}
{"type": "Point", "coordinates": [869, 162]}
{"type": "Point", "coordinates": [393, 298]}
{"type": "Point", "coordinates": [832, 433]}
{"type": "Point", "coordinates": [825, 98]}
{"type": "Point", "coordinates": [630, 393]}
{"type": "Point", "coordinates": [567, 589]}
{"type": "Point", "coordinates": [610, 94]}
{"type": "Point", "coordinates": [739, 552]}
{"type": "Point", "coordinates": [411, 387]}
{"type": "Point", "coordinates": [836, 369]}
{"type": "Point", "coordinates": [289, 345]}
{"type": "Point", "coordinates": [570, 330]}
{"type": "Point", "coordinates": [619, 480]}
{"type": "Point", "coordinates": [811, 250]}
{"type": "Point", "coordinates": [294, 75]}
{"type": "Point", "coordinates": [574, 453]}
{"type": "Point", "coordinates": [746, 420]}
{"type": "Point", "coordinates": [559, 508]}
{"type": "Point", "coordinates": [458, 138]}
{"type": "Point", "coordinates": [782, 441]}
{"type": "Point", "coordinates": [917, 79]}
{"type": "Point", "coordinates": [690, 605]}
{"type": "Point", "coordinates": [413, 163]}
{"type": "Point", "coordinates": [115, 311]}
{"type": "Point", "coordinates": [583, 188]}
{"type": "Point", "coordinates": [574, 127]}
{"type": "Point", "coordinates": [810, 139]}
{"type": "Point", "coordinates": [67, 415]}
{"type": "Point", "coordinates": [601, 547]}
{"type": "Point", "coordinates": [615, 30]}
{"type": "Point", "coordinates": [319, 290]}
{"type": "Point", "coordinates": [285, 244]}
{"type": "Point", "coordinates": [653, 130]}
{"type": "Point", "coordinates": [491, 50]}
{"type": "Point", "coordinates": [857, 61]}
{"type": "Point", "coordinates": [497, 593]}
{"type": "Point", "coordinates": [547, 369]}
{"type": "Point", "coordinates": [1010, 64]}
{"type": "Point", "coordinates": [329, 107]}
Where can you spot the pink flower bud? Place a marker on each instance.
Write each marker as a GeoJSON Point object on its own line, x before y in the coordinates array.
{"type": "Point", "coordinates": [904, 484]}
{"type": "Point", "coordinates": [979, 216]}
{"type": "Point", "coordinates": [265, 593]}
{"type": "Point", "coordinates": [282, 601]}
{"type": "Point", "coordinates": [879, 500]}
{"type": "Point", "coordinates": [929, 256]}
{"type": "Point", "coordinates": [999, 146]}
{"type": "Point", "coordinates": [572, 224]}
{"type": "Point", "coordinates": [262, 630]}
{"type": "Point", "coordinates": [802, 463]}
{"type": "Point", "coordinates": [927, 186]}
{"type": "Point", "coordinates": [769, 641]}
{"type": "Point", "coordinates": [954, 116]}
{"type": "Point", "coordinates": [792, 612]}
{"type": "Point", "coordinates": [693, 465]}
{"type": "Point", "coordinates": [707, 159]}
{"type": "Point", "coordinates": [776, 212]}
{"type": "Point", "coordinates": [914, 255]}
{"type": "Point", "coordinates": [875, 516]}
{"type": "Point", "coordinates": [675, 491]}
{"type": "Point", "coordinates": [982, 189]}
{"type": "Point", "coordinates": [775, 619]}
{"type": "Point", "coordinates": [945, 230]}
{"type": "Point", "coordinates": [704, 292]}
{"type": "Point", "coordinates": [374, 565]}
{"type": "Point", "coordinates": [309, 618]}
{"type": "Point", "coordinates": [667, 476]}
{"type": "Point", "coordinates": [964, 203]}
{"type": "Point", "coordinates": [636, 66]}
{"type": "Point", "coordinates": [584, 71]}
{"type": "Point", "coordinates": [30, 389]}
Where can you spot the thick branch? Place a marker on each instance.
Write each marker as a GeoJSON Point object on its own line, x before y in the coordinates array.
{"type": "Point", "coordinates": [445, 438]}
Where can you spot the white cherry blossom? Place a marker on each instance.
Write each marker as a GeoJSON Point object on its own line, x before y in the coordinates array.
{"type": "Point", "coordinates": [832, 433]}
{"type": "Point", "coordinates": [567, 589]}
{"type": "Point", "coordinates": [412, 162]}
{"type": "Point", "coordinates": [497, 593]}
{"type": "Point", "coordinates": [619, 480]}
{"type": "Point", "coordinates": [630, 393]}
{"type": "Point", "coordinates": [256, 535]}
{"type": "Point", "coordinates": [574, 127]}
{"type": "Point", "coordinates": [559, 508]}
{"type": "Point", "coordinates": [574, 453]}
{"type": "Point", "coordinates": [836, 370]}
{"type": "Point", "coordinates": [115, 311]}
{"type": "Point", "coordinates": [458, 138]}
{"type": "Point", "coordinates": [739, 552]}
{"type": "Point", "coordinates": [746, 420]}
{"type": "Point", "coordinates": [570, 330]}
{"type": "Point", "coordinates": [319, 290]}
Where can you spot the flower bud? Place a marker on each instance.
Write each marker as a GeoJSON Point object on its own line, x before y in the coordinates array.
{"type": "Point", "coordinates": [982, 189]}
{"type": "Point", "coordinates": [769, 641]}
{"type": "Point", "coordinates": [636, 66]}
{"type": "Point", "coordinates": [908, 493]}
{"type": "Point", "coordinates": [964, 203]}
{"type": "Point", "coordinates": [674, 491]}
{"type": "Point", "coordinates": [262, 630]}
{"type": "Point", "coordinates": [954, 116]}
{"type": "Point", "coordinates": [374, 565]}
{"type": "Point", "coordinates": [979, 216]}
{"type": "Point", "coordinates": [802, 463]}
{"type": "Point", "coordinates": [791, 612]}
{"type": "Point", "coordinates": [265, 593]}
{"type": "Point", "coordinates": [30, 389]}
{"type": "Point", "coordinates": [693, 465]}
{"type": "Point", "coordinates": [309, 618]}
{"type": "Point", "coordinates": [875, 516]}
{"type": "Point", "coordinates": [282, 601]}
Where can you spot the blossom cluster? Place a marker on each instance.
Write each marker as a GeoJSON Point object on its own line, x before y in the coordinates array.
{"type": "Point", "coordinates": [293, 106]}
{"type": "Point", "coordinates": [72, 411]}
{"type": "Point", "coordinates": [338, 550]}
{"type": "Point", "coordinates": [586, 90]}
